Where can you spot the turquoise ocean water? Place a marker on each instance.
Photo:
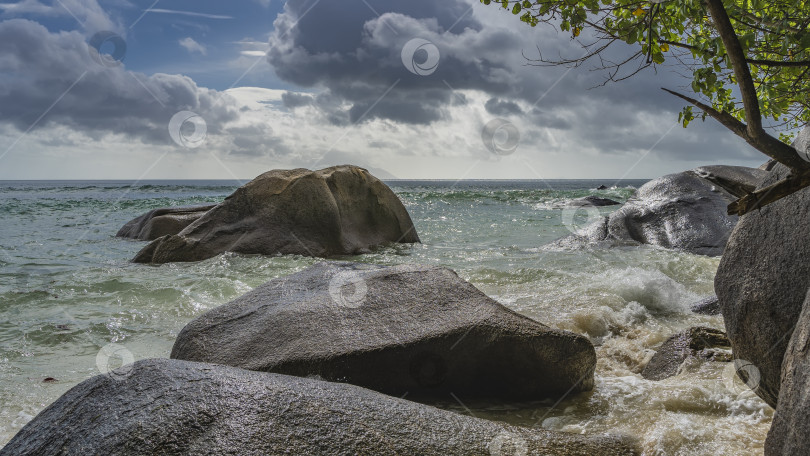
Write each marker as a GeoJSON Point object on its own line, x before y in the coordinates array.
{"type": "Point", "coordinates": [67, 291]}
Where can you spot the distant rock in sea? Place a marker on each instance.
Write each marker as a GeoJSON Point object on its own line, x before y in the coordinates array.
{"type": "Point", "coordinates": [591, 200]}
{"type": "Point", "coordinates": [171, 407]}
{"type": "Point", "coordinates": [685, 211]}
{"type": "Point", "coordinates": [342, 210]}
{"type": "Point", "coordinates": [396, 329]}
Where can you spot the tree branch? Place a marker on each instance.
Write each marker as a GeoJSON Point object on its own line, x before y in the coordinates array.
{"type": "Point", "coordinates": [773, 63]}
{"type": "Point", "coordinates": [780, 152]}
{"type": "Point", "coordinates": [779, 63]}
{"type": "Point", "coordinates": [737, 57]}
{"type": "Point", "coordinates": [756, 135]}
{"type": "Point", "coordinates": [729, 121]}
{"type": "Point", "coordinates": [770, 194]}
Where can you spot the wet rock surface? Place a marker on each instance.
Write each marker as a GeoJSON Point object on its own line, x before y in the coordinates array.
{"type": "Point", "coordinates": [697, 343]}
{"type": "Point", "coordinates": [398, 329]}
{"type": "Point", "coordinates": [172, 407]}
{"type": "Point", "coordinates": [762, 281]}
{"type": "Point", "coordinates": [596, 201]}
{"type": "Point", "coordinates": [342, 210]}
{"type": "Point", "coordinates": [685, 211]}
{"type": "Point", "coordinates": [162, 222]}
{"type": "Point", "coordinates": [706, 306]}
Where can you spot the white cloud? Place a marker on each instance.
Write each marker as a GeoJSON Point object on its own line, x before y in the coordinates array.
{"type": "Point", "coordinates": [113, 122]}
{"type": "Point", "coordinates": [267, 135]}
{"type": "Point", "coordinates": [88, 13]}
{"type": "Point", "coordinates": [192, 46]}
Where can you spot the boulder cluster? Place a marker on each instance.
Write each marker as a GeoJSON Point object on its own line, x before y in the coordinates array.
{"type": "Point", "coordinates": [319, 362]}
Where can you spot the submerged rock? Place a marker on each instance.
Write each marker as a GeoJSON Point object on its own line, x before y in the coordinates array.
{"type": "Point", "coordinates": [707, 306]}
{"type": "Point", "coordinates": [397, 329]}
{"type": "Point", "coordinates": [593, 201]}
{"type": "Point", "coordinates": [685, 211]}
{"type": "Point", "coordinates": [342, 210]}
{"type": "Point", "coordinates": [161, 222]}
{"type": "Point", "coordinates": [762, 281]}
{"type": "Point", "coordinates": [171, 407]}
{"type": "Point", "coordinates": [696, 343]}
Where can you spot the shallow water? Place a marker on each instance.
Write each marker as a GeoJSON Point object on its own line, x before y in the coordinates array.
{"type": "Point", "coordinates": [67, 291]}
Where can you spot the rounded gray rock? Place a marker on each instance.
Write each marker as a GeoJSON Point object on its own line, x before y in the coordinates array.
{"type": "Point", "coordinates": [684, 211]}
{"type": "Point", "coordinates": [697, 343]}
{"type": "Point", "coordinates": [342, 210]}
{"type": "Point", "coordinates": [175, 408]}
{"type": "Point", "coordinates": [790, 431]}
{"type": "Point", "coordinates": [407, 328]}
{"type": "Point", "coordinates": [762, 281]}
{"type": "Point", "coordinates": [162, 222]}
{"type": "Point", "coordinates": [706, 306]}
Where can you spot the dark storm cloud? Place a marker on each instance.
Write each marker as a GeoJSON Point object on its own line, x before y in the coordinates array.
{"type": "Point", "coordinates": [356, 55]}
{"type": "Point", "coordinates": [294, 100]}
{"type": "Point", "coordinates": [39, 67]}
{"type": "Point", "coordinates": [353, 55]}
{"type": "Point", "coordinates": [498, 107]}
{"type": "Point", "coordinates": [347, 49]}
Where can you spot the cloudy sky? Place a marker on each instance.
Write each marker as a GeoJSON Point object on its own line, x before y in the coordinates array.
{"type": "Point", "coordinates": [407, 88]}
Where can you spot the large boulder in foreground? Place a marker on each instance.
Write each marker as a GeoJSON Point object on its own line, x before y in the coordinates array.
{"type": "Point", "coordinates": [398, 329]}
{"type": "Point", "coordinates": [162, 222]}
{"type": "Point", "coordinates": [762, 281]}
{"type": "Point", "coordinates": [697, 343]}
{"type": "Point", "coordinates": [174, 408]}
{"type": "Point", "coordinates": [685, 211]}
{"type": "Point", "coordinates": [790, 431]}
{"type": "Point", "coordinates": [342, 210]}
